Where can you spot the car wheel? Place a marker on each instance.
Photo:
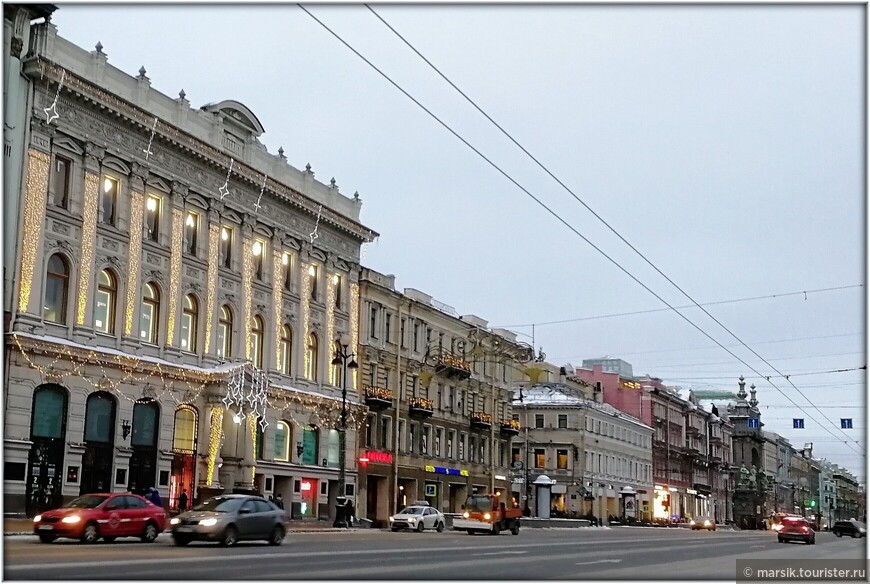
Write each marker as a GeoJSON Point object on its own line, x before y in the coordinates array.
{"type": "Point", "coordinates": [109, 539]}
{"type": "Point", "coordinates": [780, 540]}
{"type": "Point", "coordinates": [470, 531]}
{"type": "Point", "coordinates": [515, 529]}
{"type": "Point", "coordinates": [277, 536]}
{"type": "Point", "coordinates": [394, 529]}
{"type": "Point", "coordinates": [854, 535]}
{"type": "Point", "coordinates": [150, 533]}
{"type": "Point", "coordinates": [812, 541]}
{"type": "Point", "coordinates": [180, 540]}
{"type": "Point", "coordinates": [231, 537]}
{"type": "Point", "coordinates": [420, 527]}
{"type": "Point", "coordinates": [440, 527]}
{"type": "Point", "coordinates": [838, 534]}
{"type": "Point", "coordinates": [90, 533]}
{"type": "Point", "coordinates": [47, 538]}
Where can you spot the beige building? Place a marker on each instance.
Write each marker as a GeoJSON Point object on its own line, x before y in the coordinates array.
{"type": "Point", "coordinates": [176, 296]}
{"type": "Point", "coordinates": [600, 458]}
{"type": "Point", "coordinates": [438, 387]}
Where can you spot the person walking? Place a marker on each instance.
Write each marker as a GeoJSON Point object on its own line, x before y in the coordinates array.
{"type": "Point", "coordinates": [350, 511]}
{"type": "Point", "coordinates": [154, 497]}
{"type": "Point", "coordinates": [182, 502]}
{"type": "Point", "coordinates": [279, 501]}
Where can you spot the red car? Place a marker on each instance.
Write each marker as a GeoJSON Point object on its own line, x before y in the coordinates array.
{"type": "Point", "coordinates": [796, 529]}
{"type": "Point", "coordinates": [102, 515]}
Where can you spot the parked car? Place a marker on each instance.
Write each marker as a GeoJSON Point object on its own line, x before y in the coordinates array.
{"type": "Point", "coordinates": [851, 527]}
{"type": "Point", "coordinates": [796, 529]}
{"type": "Point", "coordinates": [418, 516]}
{"type": "Point", "coordinates": [102, 515]}
{"type": "Point", "coordinates": [707, 523]}
{"type": "Point", "coordinates": [229, 519]}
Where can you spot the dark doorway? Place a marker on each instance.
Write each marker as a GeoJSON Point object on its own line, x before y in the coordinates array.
{"type": "Point", "coordinates": [99, 443]}
{"type": "Point", "coordinates": [143, 440]}
{"type": "Point", "coordinates": [48, 434]}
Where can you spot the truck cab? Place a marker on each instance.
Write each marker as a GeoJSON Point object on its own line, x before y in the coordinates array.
{"type": "Point", "coordinates": [488, 514]}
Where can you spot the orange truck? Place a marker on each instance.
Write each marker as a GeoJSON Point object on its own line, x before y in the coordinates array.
{"type": "Point", "coordinates": [487, 514]}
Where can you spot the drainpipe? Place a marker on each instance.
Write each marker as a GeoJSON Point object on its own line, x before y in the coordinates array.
{"type": "Point", "coordinates": [399, 385]}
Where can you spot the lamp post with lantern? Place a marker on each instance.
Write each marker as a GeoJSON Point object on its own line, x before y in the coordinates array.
{"type": "Point", "coordinates": [345, 358]}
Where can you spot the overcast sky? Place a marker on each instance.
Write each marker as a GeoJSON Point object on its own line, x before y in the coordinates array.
{"type": "Point", "coordinates": [725, 143]}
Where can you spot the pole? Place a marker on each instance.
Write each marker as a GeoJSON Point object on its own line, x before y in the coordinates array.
{"type": "Point", "coordinates": [394, 505]}
{"type": "Point", "coordinates": [340, 516]}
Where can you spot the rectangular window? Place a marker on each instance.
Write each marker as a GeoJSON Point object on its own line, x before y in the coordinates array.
{"type": "Point", "coordinates": [371, 428]}
{"type": "Point", "coordinates": [424, 439]}
{"type": "Point", "coordinates": [385, 434]}
{"type": "Point", "coordinates": [153, 208]}
{"type": "Point", "coordinates": [472, 449]}
{"type": "Point", "coordinates": [562, 458]}
{"type": "Point", "coordinates": [437, 445]}
{"type": "Point", "coordinates": [60, 181]}
{"type": "Point", "coordinates": [259, 251]}
{"type": "Point", "coordinates": [412, 435]}
{"type": "Point", "coordinates": [515, 455]}
{"type": "Point", "coordinates": [462, 447]}
{"type": "Point", "coordinates": [416, 336]}
{"type": "Point", "coordinates": [288, 271]}
{"type": "Point", "coordinates": [336, 281]}
{"type": "Point", "coordinates": [402, 342]}
{"type": "Point", "coordinates": [373, 322]}
{"type": "Point", "coordinates": [540, 458]}
{"type": "Point", "coordinates": [226, 249]}
{"type": "Point", "coordinates": [403, 446]}
{"type": "Point", "coordinates": [387, 319]}
{"type": "Point", "coordinates": [313, 272]}
{"type": "Point", "coordinates": [539, 420]}
{"type": "Point", "coordinates": [483, 450]}
{"type": "Point", "coordinates": [563, 421]}
{"type": "Point", "coordinates": [451, 437]}
{"type": "Point", "coordinates": [191, 229]}
{"type": "Point", "coordinates": [108, 200]}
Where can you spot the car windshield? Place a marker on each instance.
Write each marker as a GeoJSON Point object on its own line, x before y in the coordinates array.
{"type": "Point", "coordinates": [412, 511]}
{"type": "Point", "coordinates": [86, 502]}
{"type": "Point", "coordinates": [479, 504]}
{"type": "Point", "coordinates": [220, 505]}
{"type": "Point", "coordinates": [859, 524]}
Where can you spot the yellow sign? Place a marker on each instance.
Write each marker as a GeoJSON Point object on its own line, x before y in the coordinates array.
{"type": "Point", "coordinates": [463, 473]}
{"type": "Point", "coordinates": [428, 468]}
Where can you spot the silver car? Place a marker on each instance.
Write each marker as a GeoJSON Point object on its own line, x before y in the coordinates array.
{"type": "Point", "coordinates": [229, 519]}
{"type": "Point", "coordinates": [418, 517]}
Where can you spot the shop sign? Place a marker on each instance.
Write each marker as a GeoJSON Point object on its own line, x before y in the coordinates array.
{"type": "Point", "coordinates": [447, 471]}
{"type": "Point", "coordinates": [376, 456]}
{"type": "Point", "coordinates": [500, 478]}
{"type": "Point", "coordinates": [431, 490]}
{"type": "Point", "coordinates": [659, 488]}
{"type": "Point", "coordinates": [692, 491]}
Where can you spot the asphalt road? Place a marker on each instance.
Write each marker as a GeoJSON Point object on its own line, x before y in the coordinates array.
{"type": "Point", "coordinates": [595, 554]}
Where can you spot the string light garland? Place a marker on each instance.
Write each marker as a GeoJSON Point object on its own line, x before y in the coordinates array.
{"type": "Point", "coordinates": [224, 190]}
{"type": "Point", "coordinates": [174, 273]}
{"type": "Point", "coordinates": [91, 208]}
{"type": "Point", "coordinates": [247, 283]}
{"type": "Point", "coordinates": [147, 151]}
{"type": "Point", "coordinates": [51, 111]}
{"type": "Point", "coordinates": [330, 328]}
{"type": "Point", "coordinates": [260, 196]}
{"type": "Point", "coordinates": [314, 235]}
{"type": "Point", "coordinates": [306, 302]}
{"type": "Point", "coordinates": [354, 328]}
{"type": "Point", "coordinates": [252, 428]}
{"type": "Point", "coordinates": [38, 169]}
{"type": "Point", "coordinates": [278, 300]}
{"type": "Point", "coordinates": [211, 281]}
{"type": "Point", "coordinates": [215, 440]}
{"type": "Point", "coordinates": [137, 201]}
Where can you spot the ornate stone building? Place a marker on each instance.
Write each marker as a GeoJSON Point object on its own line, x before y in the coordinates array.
{"type": "Point", "coordinates": [438, 387]}
{"type": "Point", "coordinates": [175, 297]}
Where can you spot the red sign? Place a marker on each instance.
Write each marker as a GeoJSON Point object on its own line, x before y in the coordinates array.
{"type": "Point", "coordinates": [376, 456]}
{"type": "Point", "coordinates": [306, 486]}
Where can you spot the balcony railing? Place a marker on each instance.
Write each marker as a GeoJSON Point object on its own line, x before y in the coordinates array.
{"type": "Point", "coordinates": [451, 365]}
{"type": "Point", "coordinates": [481, 420]}
{"type": "Point", "coordinates": [510, 427]}
{"type": "Point", "coordinates": [419, 406]}
{"type": "Point", "coordinates": [378, 398]}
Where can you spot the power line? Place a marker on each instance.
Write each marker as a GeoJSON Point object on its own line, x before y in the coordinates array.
{"type": "Point", "coordinates": [864, 367]}
{"type": "Point", "coordinates": [588, 208]}
{"type": "Point", "coordinates": [565, 222]}
{"type": "Point", "coordinates": [657, 367]}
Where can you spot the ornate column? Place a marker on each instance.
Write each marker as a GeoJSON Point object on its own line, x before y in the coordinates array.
{"type": "Point", "coordinates": [176, 244]}
{"type": "Point", "coordinates": [305, 308]}
{"type": "Point", "coordinates": [328, 345]}
{"type": "Point", "coordinates": [138, 176]}
{"type": "Point", "coordinates": [353, 309]}
{"type": "Point", "coordinates": [278, 273]}
{"type": "Point", "coordinates": [91, 211]}
{"type": "Point", "coordinates": [32, 237]}
{"type": "Point", "coordinates": [214, 227]}
{"type": "Point", "coordinates": [247, 281]}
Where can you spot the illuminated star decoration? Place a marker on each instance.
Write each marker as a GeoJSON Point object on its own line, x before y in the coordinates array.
{"type": "Point", "coordinates": [251, 385]}
{"type": "Point", "coordinates": [147, 151]}
{"type": "Point", "coordinates": [51, 111]}
{"type": "Point", "coordinates": [224, 190]}
{"type": "Point", "coordinates": [314, 235]}
{"type": "Point", "coordinates": [262, 188]}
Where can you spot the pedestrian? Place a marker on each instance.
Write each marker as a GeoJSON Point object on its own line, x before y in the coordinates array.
{"type": "Point", "coordinates": [279, 501]}
{"type": "Point", "coordinates": [350, 512]}
{"type": "Point", "coordinates": [154, 497]}
{"type": "Point", "coordinates": [182, 502]}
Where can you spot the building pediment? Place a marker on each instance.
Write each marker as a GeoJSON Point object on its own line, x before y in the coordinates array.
{"type": "Point", "coordinates": [237, 114]}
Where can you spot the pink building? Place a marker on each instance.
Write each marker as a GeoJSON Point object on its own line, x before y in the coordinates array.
{"type": "Point", "coordinates": [626, 394]}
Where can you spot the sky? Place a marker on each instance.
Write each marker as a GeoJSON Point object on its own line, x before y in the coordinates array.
{"type": "Point", "coordinates": [725, 143]}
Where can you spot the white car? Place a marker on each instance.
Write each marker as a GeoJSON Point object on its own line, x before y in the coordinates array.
{"type": "Point", "coordinates": [418, 517]}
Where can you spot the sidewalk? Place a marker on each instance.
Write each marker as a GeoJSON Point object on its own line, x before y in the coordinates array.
{"type": "Point", "coordinates": [15, 526]}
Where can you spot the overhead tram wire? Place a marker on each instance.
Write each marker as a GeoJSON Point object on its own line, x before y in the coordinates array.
{"type": "Point", "coordinates": [553, 213]}
{"type": "Point", "coordinates": [582, 202]}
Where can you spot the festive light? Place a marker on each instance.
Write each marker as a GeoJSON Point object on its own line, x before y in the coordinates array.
{"type": "Point", "coordinates": [190, 220]}
{"type": "Point", "coordinates": [38, 168]}
{"type": "Point", "coordinates": [224, 190]}
{"type": "Point", "coordinates": [252, 428]}
{"type": "Point", "coordinates": [420, 403]}
{"type": "Point", "coordinates": [306, 302]}
{"type": "Point", "coordinates": [247, 282]}
{"type": "Point", "coordinates": [211, 282]}
{"type": "Point", "coordinates": [330, 328]}
{"type": "Point", "coordinates": [147, 151]}
{"type": "Point", "coordinates": [135, 252]}
{"type": "Point", "coordinates": [278, 300]}
{"type": "Point", "coordinates": [51, 111]}
{"type": "Point", "coordinates": [285, 259]}
{"type": "Point", "coordinates": [514, 424]}
{"type": "Point", "coordinates": [454, 361]}
{"type": "Point", "coordinates": [225, 233]}
{"type": "Point", "coordinates": [481, 417]}
{"type": "Point", "coordinates": [214, 443]}
{"type": "Point", "coordinates": [174, 272]}
{"type": "Point", "coordinates": [379, 393]}
{"type": "Point", "coordinates": [354, 327]}
{"type": "Point", "coordinates": [90, 210]}
{"type": "Point", "coordinates": [314, 235]}
{"type": "Point", "coordinates": [257, 248]}
{"type": "Point", "coordinates": [262, 188]}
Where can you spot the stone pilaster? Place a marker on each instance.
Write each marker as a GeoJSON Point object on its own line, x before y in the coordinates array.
{"type": "Point", "coordinates": [138, 176]}
{"type": "Point", "coordinates": [176, 247]}
{"type": "Point", "coordinates": [247, 239]}
{"type": "Point", "coordinates": [91, 212]}
{"type": "Point", "coordinates": [213, 226]}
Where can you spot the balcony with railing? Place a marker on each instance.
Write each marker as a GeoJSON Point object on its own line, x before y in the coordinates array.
{"type": "Point", "coordinates": [420, 407]}
{"type": "Point", "coordinates": [481, 420]}
{"type": "Point", "coordinates": [453, 366]}
{"type": "Point", "coordinates": [378, 398]}
{"type": "Point", "coordinates": [510, 427]}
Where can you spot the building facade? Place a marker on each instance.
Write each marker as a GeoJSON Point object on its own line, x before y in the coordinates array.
{"type": "Point", "coordinates": [173, 319]}
{"type": "Point", "coordinates": [438, 387]}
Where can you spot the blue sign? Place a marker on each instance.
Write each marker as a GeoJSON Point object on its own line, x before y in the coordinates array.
{"type": "Point", "coordinates": [846, 423]}
{"type": "Point", "coordinates": [798, 423]}
{"type": "Point", "coordinates": [753, 423]}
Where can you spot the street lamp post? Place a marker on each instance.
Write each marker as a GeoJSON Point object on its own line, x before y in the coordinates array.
{"type": "Point", "coordinates": [341, 357]}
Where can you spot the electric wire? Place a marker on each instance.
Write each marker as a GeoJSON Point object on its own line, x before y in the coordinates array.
{"type": "Point", "coordinates": [568, 225]}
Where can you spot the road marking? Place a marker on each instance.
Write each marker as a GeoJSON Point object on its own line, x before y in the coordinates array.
{"type": "Point", "coordinates": [501, 553]}
{"type": "Point", "coordinates": [598, 562]}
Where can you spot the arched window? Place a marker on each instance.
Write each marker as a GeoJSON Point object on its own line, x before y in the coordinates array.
{"type": "Point", "coordinates": [283, 439]}
{"type": "Point", "coordinates": [189, 319]}
{"type": "Point", "coordinates": [104, 307]}
{"type": "Point", "coordinates": [150, 314]}
{"type": "Point", "coordinates": [286, 352]}
{"type": "Point", "coordinates": [257, 342]}
{"type": "Point", "coordinates": [184, 436]}
{"type": "Point", "coordinates": [311, 358]}
{"type": "Point", "coordinates": [56, 289]}
{"type": "Point", "coordinates": [100, 418]}
{"type": "Point", "coordinates": [225, 333]}
{"type": "Point", "coordinates": [48, 417]}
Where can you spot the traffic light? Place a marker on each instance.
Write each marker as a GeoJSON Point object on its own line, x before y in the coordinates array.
{"type": "Point", "coordinates": [813, 504]}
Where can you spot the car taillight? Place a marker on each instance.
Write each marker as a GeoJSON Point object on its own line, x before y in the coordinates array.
{"type": "Point", "coordinates": [805, 528]}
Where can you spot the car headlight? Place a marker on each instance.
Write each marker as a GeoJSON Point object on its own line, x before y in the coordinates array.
{"type": "Point", "coordinates": [466, 515]}
{"type": "Point", "coordinates": [411, 520]}
{"type": "Point", "coordinates": [391, 518]}
{"type": "Point", "coordinates": [692, 522]}
{"type": "Point", "coordinates": [487, 516]}
{"type": "Point", "coordinates": [71, 519]}
{"type": "Point", "coordinates": [707, 522]}
{"type": "Point", "coordinates": [208, 522]}
{"type": "Point", "coordinates": [174, 521]}
{"type": "Point", "coordinates": [37, 519]}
